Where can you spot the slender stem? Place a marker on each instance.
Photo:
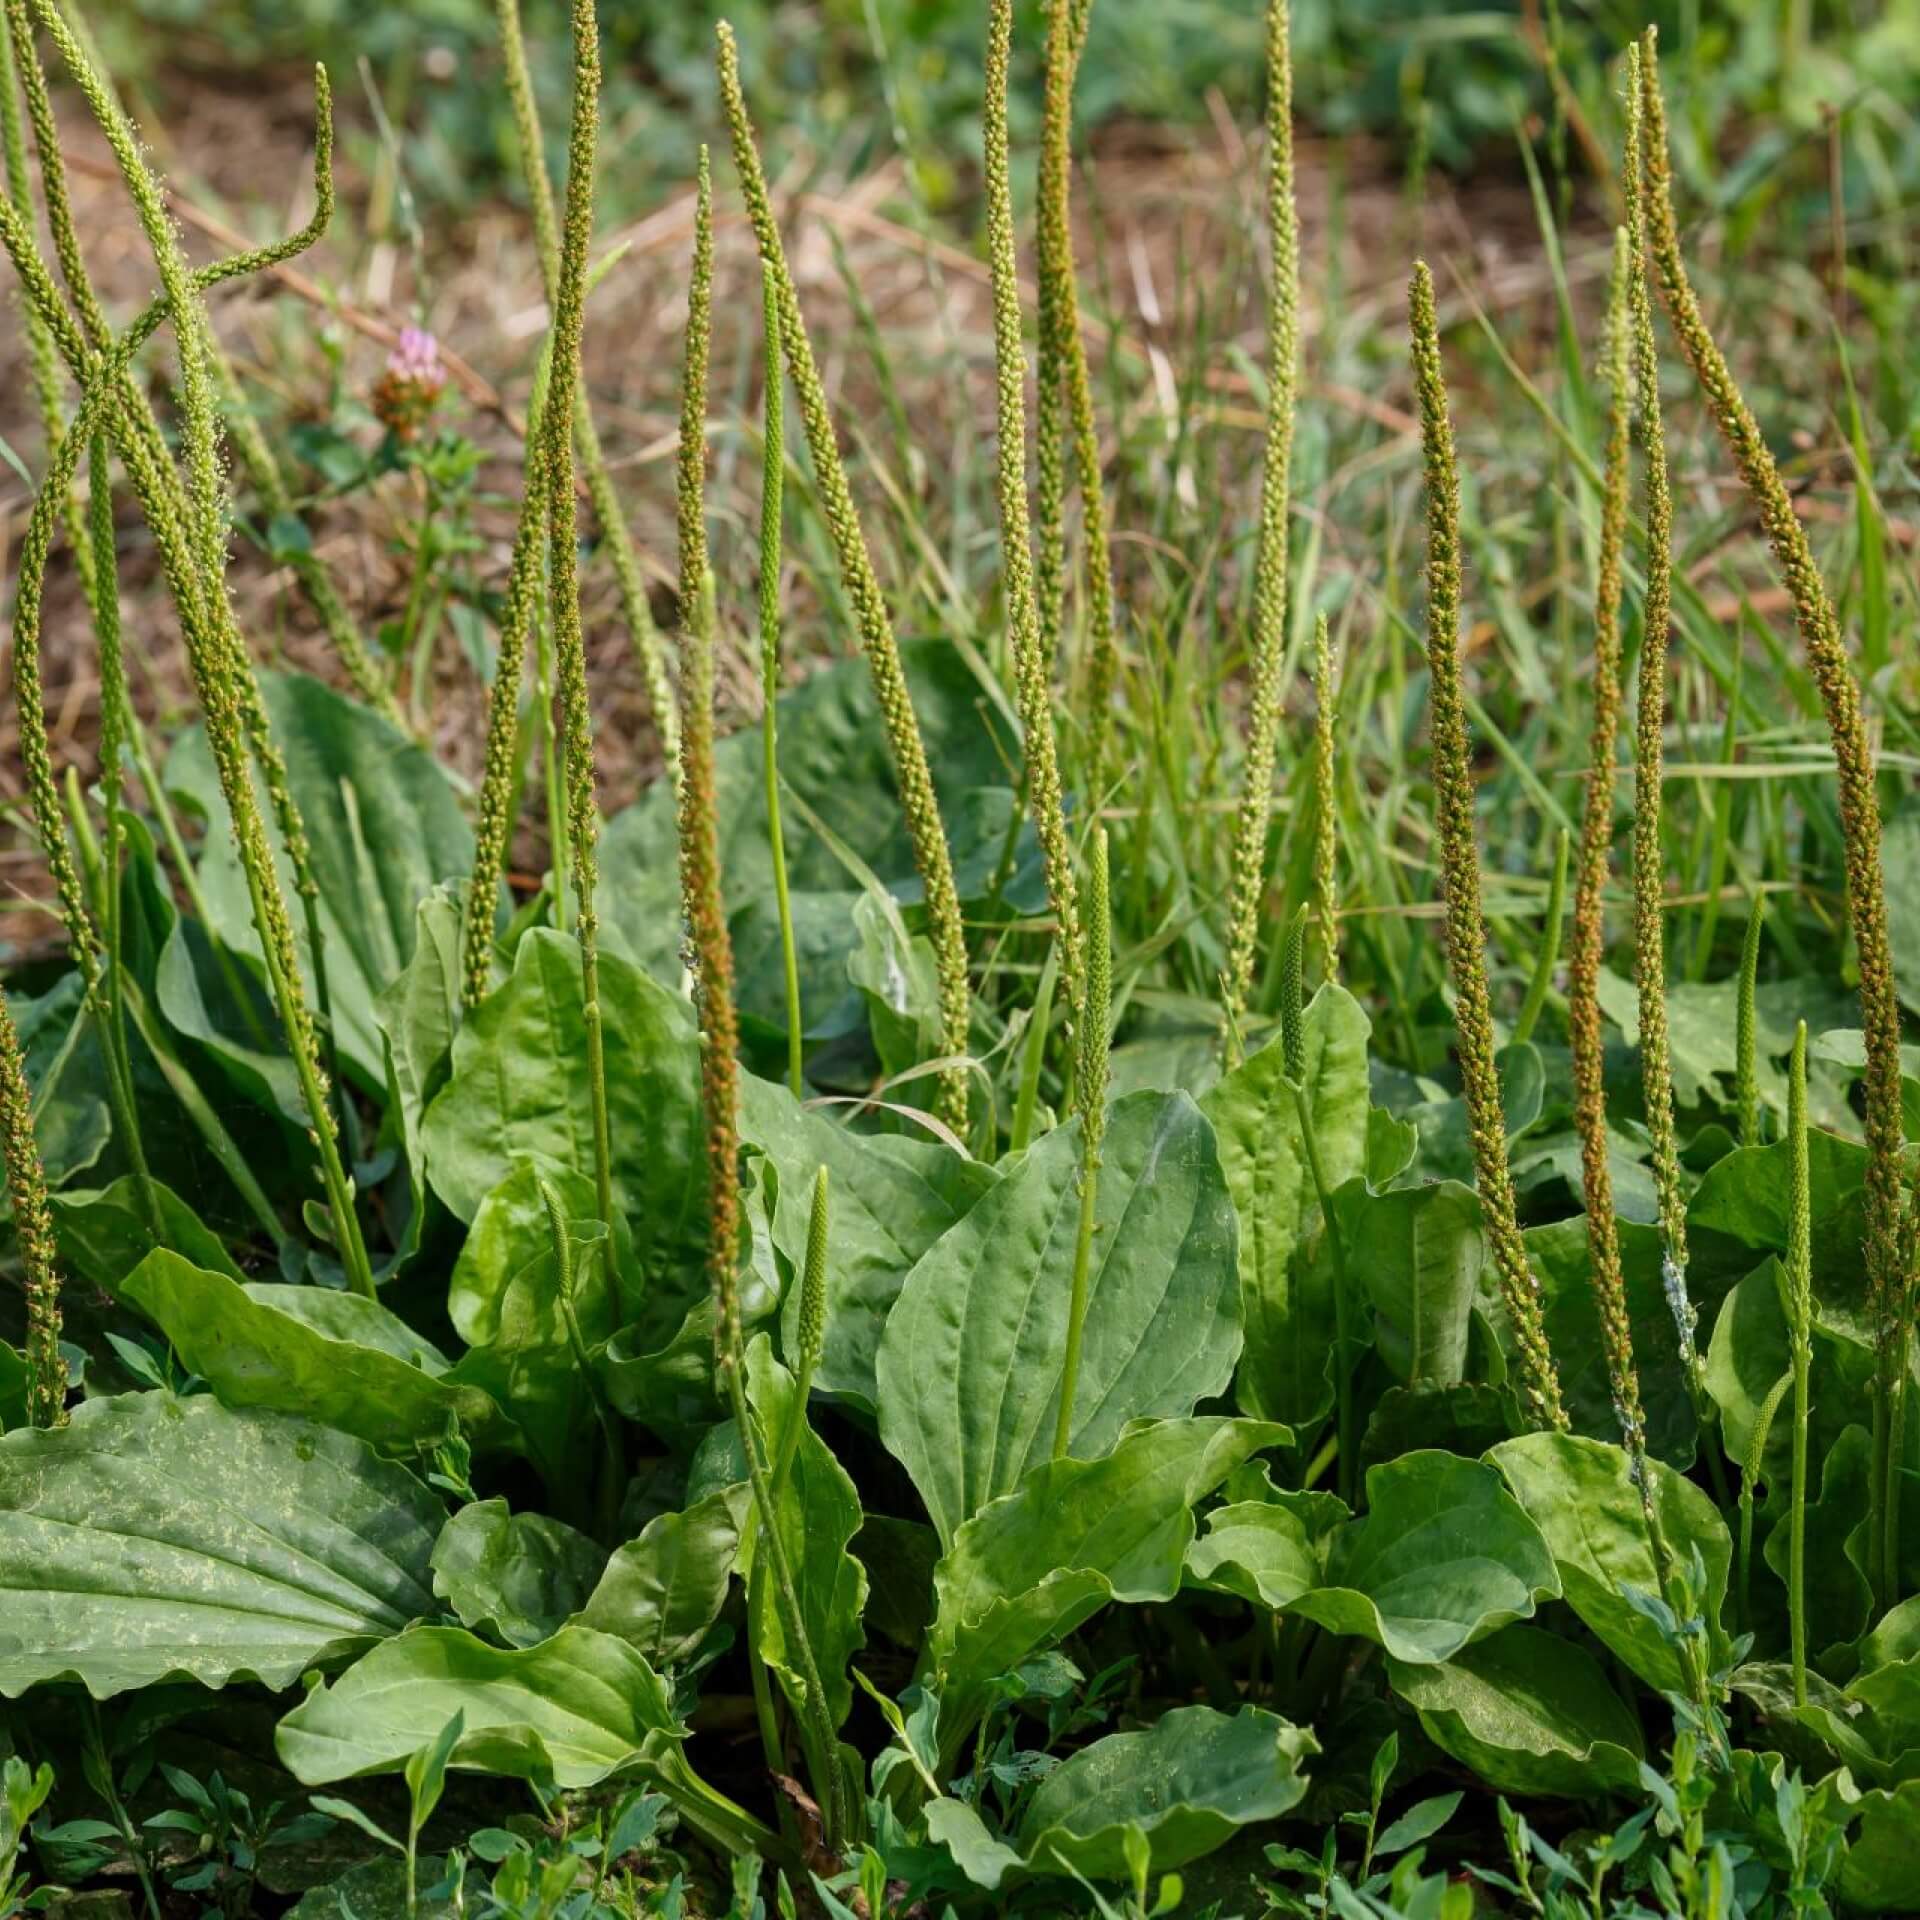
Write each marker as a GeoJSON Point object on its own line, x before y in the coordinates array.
{"type": "Point", "coordinates": [1549, 955]}
{"type": "Point", "coordinates": [1751, 1471]}
{"type": "Point", "coordinates": [1033, 1053]}
{"type": "Point", "coordinates": [1800, 1322]}
{"type": "Point", "coordinates": [1091, 1084]}
{"type": "Point", "coordinates": [1746, 1084]}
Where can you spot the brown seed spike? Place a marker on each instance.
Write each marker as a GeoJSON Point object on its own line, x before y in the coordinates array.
{"type": "Point", "coordinates": [1460, 871]}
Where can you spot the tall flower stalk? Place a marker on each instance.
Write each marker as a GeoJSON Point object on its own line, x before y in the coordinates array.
{"type": "Point", "coordinates": [189, 527]}
{"type": "Point", "coordinates": [607, 509]}
{"type": "Point", "coordinates": [1064, 407]}
{"type": "Point", "coordinates": [1032, 668]}
{"type": "Point", "coordinates": [1889, 1262]}
{"type": "Point", "coordinates": [704, 909]}
{"type": "Point", "coordinates": [563, 570]}
{"type": "Point", "coordinates": [1589, 910]}
{"type": "Point", "coordinates": [773, 453]}
{"type": "Point", "coordinates": [1650, 720]}
{"type": "Point", "coordinates": [1270, 561]}
{"type": "Point", "coordinates": [1460, 872]}
{"type": "Point", "coordinates": [932, 856]}
{"type": "Point", "coordinates": [1326, 812]}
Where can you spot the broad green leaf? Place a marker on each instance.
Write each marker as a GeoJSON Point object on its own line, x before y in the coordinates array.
{"type": "Point", "coordinates": [1900, 863]}
{"type": "Point", "coordinates": [834, 764]}
{"type": "Point", "coordinates": [1881, 1871]}
{"type": "Point", "coordinates": [155, 1537]}
{"type": "Point", "coordinates": [1443, 1557]}
{"type": "Point", "coordinates": [1738, 1215]}
{"type": "Point", "coordinates": [891, 1199]}
{"type": "Point", "coordinates": [1839, 1597]}
{"type": "Point", "coordinates": [1560, 1257]}
{"type": "Point", "coordinates": [1032, 1565]}
{"type": "Point", "coordinates": [1446, 1132]}
{"type": "Point", "coordinates": [569, 1711]}
{"type": "Point", "coordinates": [1466, 1418]}
{"type": "Point", "coordinates": [1581, 1495]}
{"type": "Point", "coordinates": [1527, 1712]}
{"type": "Point", "coordinates": [1418, 1252]}
{"type": "Point", "coordinates": [1288, 1312]}
{"type": "Point", "coordinates": [661, 1592]}
{"type": "Point", "coordinates": [1187, 1782]}
{"type": "Point", "coordinates": [818, 1513]}
{"type": "Point", "coordinates": [60, 1050]}
{"type": "Point", "coordinates": [339, 1359]}
{"type": "Point", "coordinates": [103, 1232]}
{"type": "Point", "coordinates": [970, 1363]}
{"type": "Point", "coordinates": [1268, 1551]}
{"type": "Point", "coordinates": [518, 1092]}
{"type": "Point", "coordinates": [384, 826]}
{"type": "Point", "coordinates": [518, 1575]}
{"type": "Point", "coordinates": [1751, 1349]}
{"type": "Point", "coordinates": [1701, 1022]}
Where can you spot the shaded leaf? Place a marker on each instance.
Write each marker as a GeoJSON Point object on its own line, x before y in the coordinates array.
{"type": "Point", "coordinates": [518, 1575]}
{"type": "Point", "coordinates": [1529, 1713]}
{"type": "Point", "coordinates": [661, 1592]}
{"type": "Point", "coordinates": [1443, 1557]}
{"type": "Point", "coordinates": [1187, 1783]}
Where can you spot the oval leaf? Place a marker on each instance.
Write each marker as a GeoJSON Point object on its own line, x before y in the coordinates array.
{"type": "Point", "coordinates": [1444, 1557]}
{"type": "Point", "coordinates": [569, 1711]}
{"type": "Point", "coordinates": [155, 1537]}
{"type": "Point", "coordinates": [335, 1357]}
{"type": "Point", "coordinates": [1529, 1713]}
{"type": "Point", "coordinates": [970, 1362]}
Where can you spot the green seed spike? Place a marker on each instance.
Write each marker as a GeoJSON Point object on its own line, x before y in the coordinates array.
{"type": "Point", "coordinates": [1649, 873]}
{"type": "Point", "coordinates": [1746, 1084]}
{"type": "Point", "coordinates": [1889, 1267]}
{"type": "Point", "coordinates": [1293, 997]}
{"type": "Point", "coordinates": [1032, 667]}
{"type": "Point", "coordinates": [1460, 869]}
{"type": "Point", "coordinates": [690, 472]}
{"type": "Point", "coordinates": [932, 856]}
{"type": "Point", "coordinates": [1800, 1328]}
{"type": "Point", "coordinates": [191, 531]}
{"type": "Point", "coordinates": [33, 1228]}
{"type": "Point", "coordinates": [812, 1330]}
{"type": "Point", "coordinates": [1065, 398]}
{"type": "Point", "coordinates": [1270, 563]}
{"type": "Point", "coordinates": [1584, 1028]}
{"type": "Point", "coordinates": [607, 509]}
{"type": "Point", "coordinates": [1326, 811]}
{"type": "Point", "coordinates": [499, 783]}
{"type": "Point", "coordinates": [563, 567]}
